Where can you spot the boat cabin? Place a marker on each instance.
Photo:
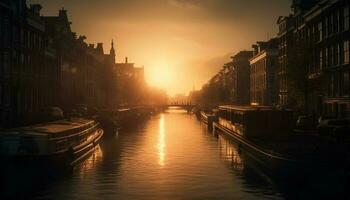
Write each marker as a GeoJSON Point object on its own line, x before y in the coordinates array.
{"type": "Point", "coordinates": [256, 121]}
{"type": "Point", "coordinates": [47, 138]}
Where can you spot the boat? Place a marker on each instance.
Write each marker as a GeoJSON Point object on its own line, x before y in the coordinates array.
{"type": "Point", "coordinates": [266, 135]}
{"type": "Point", "coordinates": [59, 144]}
{"type": "Point", "coordinates": [113, 120]}
{"type": "Point", "coordinates": [208, 119]}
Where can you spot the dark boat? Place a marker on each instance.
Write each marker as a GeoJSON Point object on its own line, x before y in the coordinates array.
{"type": "Point", "coordinates": [113, 120]}
{"type": "Point", "coordinates": [265, 134]}
{"type": "Point", "coordinates": [58, 144]}
{"type": "Point", "coordinates": [208, 119]}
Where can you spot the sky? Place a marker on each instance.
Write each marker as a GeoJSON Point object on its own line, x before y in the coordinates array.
{"type": "Point", "coordinates": [181, 43]}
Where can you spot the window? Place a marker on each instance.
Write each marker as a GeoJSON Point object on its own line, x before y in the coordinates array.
{"type": "Point", "coordinates": [325, 27]}
{"type": "Point", "coordinates": [336, 55]}
{"type": "Point", "coordinates": [346, 85]}
{"type": "Point", "coordinates": [346, 18]}
{"type": "Point", "coordinates": [7, 96]}
{"type": "Point", "coordinates": [321, 60]}
{"type": "Point", "coordinates": [320, 33]}
{"type": "Point", "coordinates": [336, 22]}
{"type": "Point", "coordinates": [0, 94]}
{"type": "Point", "coordinates": [326, 61]}
{"type": "Point", "coordinates": [330, 56]}
{"type": "Point", "coordinates": [6, 62]}
{"type": "Point", "coordinates": [5, 31]}
{"type": "Point", "coordinates": [330, 24]}
{"type": "Point", "coordinates": [341, 54]}
{"type": "Point", "coordinates": [346, 52]}
{"type": "Point", "coordinates": [336, 84]}
{"type": "Point", "coordinates": [1, 30]}
{"type": "Point", "coordinates": [331, 86]}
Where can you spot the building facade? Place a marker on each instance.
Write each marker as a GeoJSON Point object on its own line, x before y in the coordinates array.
{"type": "Point", "coordinates": [263, 66]}
{"type": "Point", "coordinates": [327, 36]}
{"type": "Point", "coordinates": [241, 77]}
{"type": "Point", "coordinates": [320, 47]}
{"type": "Point", "coordinates": [131, 83]}
{"type": "Point", "coordinates": [285, 61]}
{"type": "Point", "coordinates": [29, 66]}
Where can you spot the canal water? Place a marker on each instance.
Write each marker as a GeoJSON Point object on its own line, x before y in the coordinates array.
{"type": "Point", "coordinates": [170, 156]}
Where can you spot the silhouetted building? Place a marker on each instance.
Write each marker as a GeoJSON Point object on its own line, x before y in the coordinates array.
{"type": "Point", "coordinates": [314, 57]}
{"type": "Point", "coordinates": [241, 78]}
{"type": "Point", "coordinates": [326, 33]}
{"type": "Point", "coordinates": [263, 67]}
{"type": "Point", "coordinates": [131, 83]}
{"type": "Point", "coordinates": [86, 72]}
{"type": "Point", "coordinates": [285, 60]}
{"type": "Point", "coordinates": [29, 65]}
{"type": "Point", "coordinates": [59, 30]}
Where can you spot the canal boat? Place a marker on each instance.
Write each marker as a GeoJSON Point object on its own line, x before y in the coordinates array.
{"type": "Point", "coordinates": [114, 120]}
{"type": "Point", "coordinates": [208, 119]}
{"type": "Point", "coordinates": [60, 143]}
{"type": "Point", "coordinates": [266, 134]}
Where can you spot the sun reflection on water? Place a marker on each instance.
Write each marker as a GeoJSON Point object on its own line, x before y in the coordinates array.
{"type": "Point", "coordinates": [91, 161]}
{"type": "Point", "coordinates": [161, 141]}
{"type": "Point", "coordinates": [230, 153]}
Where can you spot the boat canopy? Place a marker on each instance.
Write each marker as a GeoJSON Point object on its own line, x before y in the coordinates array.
{"type": "Point", "coordinates": [256, 120]}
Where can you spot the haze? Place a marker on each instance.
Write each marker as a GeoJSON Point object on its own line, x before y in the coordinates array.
{"type": "Point", "coordinates": [181, 43]}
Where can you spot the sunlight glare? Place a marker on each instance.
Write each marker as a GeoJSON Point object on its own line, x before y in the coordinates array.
{"type": "Point", "coordinates": [161, 75]}
{"type": "Point", "coordinates": [161, 141]}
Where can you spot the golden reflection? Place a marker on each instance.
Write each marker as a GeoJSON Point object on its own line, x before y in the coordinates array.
{"type": "Point", "coordinates": [230, 153]}
{"type": "Point", "coordinates": [92, 161]}
{"type": "Point", "coordinates": [161, 141]}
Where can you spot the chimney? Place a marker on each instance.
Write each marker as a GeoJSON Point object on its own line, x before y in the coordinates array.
{"type": "Point", "coordinates": [36, 8]}
{"type": "Point", "coordinates": [91, 46]}
{"type": "Point", "coordinates": [126, 60]}
{"type": "Point", "coordinates": [99, 47]}
{"type": "Point", "coordinates": [256, 49]}
{"type": "Point", "coordinates": [63, 13]}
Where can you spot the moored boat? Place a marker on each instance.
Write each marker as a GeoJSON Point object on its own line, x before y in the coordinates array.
{"type": "Point", "coordinates": [208, 119]}
{"type": "Point", "coordinates": [266, 134]}
{"type": "Point", "coordinates": [60, 143]}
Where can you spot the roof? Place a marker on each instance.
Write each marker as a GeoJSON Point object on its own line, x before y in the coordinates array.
{"type": "Point", "coordinates": [246, 108]}
{"type": "Point", "coordinates": [53, 127]}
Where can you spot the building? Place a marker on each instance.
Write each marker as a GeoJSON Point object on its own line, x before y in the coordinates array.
{"type": "Point", "coordinates": [326, 33]}
{"type": "Point", "coordinates": [314, 57]}
{"type": "Point", "coordinates": [241, 77]}
{"type": "Point", "coordinates": [89, 80]}
{"type": "Point", "coordinates": [263, 66]}
{"type": "Point", "coordinates": [285, 61]}
{"type": "Point", "coordinates": [29, 65]}
{"type": "Point", "coordinates": [131, 83]}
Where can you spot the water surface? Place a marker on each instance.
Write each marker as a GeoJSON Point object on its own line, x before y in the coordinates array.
{"type": "Point", "coordinates": [170, 156]}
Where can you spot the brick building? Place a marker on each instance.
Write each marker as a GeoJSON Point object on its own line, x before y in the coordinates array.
{"type": "Point", "coordinates": [263, 66]}
{"type": "Point", "coordinates": [317, 39]}
{"type": "Point", "coordinates": [241, 77]}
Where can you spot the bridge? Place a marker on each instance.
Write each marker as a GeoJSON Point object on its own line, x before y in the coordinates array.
{"type": "Point", "coordinates": [186, 106]}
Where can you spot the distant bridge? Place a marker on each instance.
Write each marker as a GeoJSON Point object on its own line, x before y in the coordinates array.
{"type": "Point", "coordinates": [186, 106]}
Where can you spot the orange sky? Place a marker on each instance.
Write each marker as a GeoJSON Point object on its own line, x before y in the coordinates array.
{"type": "Point", "coordinates": [181, 43]}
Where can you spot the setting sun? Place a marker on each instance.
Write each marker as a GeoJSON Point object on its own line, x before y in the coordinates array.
{"type": "Point", "coordinates": [161, 75]}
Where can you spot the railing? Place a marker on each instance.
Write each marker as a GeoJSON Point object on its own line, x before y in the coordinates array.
{"type": "Point", "coordinates": [62, 143]}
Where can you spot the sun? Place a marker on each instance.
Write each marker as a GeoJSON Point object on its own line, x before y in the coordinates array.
{"type": "Point", "coordinates": [161, 75]}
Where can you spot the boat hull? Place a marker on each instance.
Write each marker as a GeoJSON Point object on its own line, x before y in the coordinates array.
{"type": "Point", "coordinates": [278, 167]}
{"type": "Point", "coordinates": [63, 160]}
{"type": "Point", "coordinates": [208, 120]}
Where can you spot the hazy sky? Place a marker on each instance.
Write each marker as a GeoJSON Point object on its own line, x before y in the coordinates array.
{"type": "Point", "coordinates": [181, 43]}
